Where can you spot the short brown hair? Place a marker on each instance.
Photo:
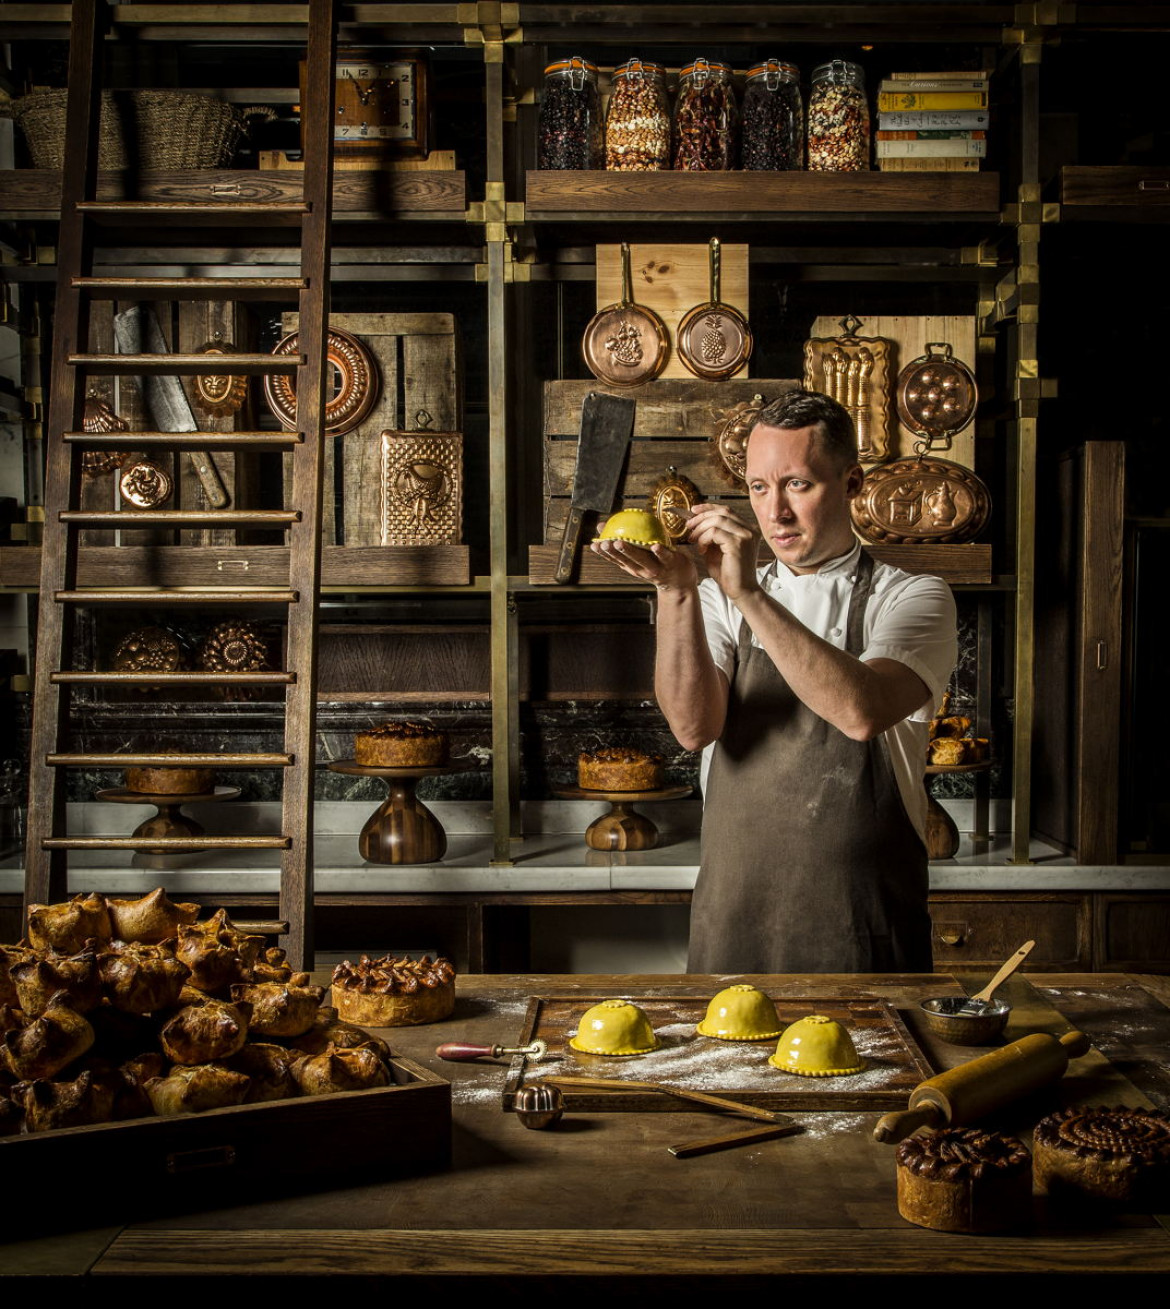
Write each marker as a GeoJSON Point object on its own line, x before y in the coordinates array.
{"type": "Point", "coordinates": [835, 432]}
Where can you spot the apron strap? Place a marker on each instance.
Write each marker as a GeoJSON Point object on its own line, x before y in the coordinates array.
{"type": "Point", "coordinates": [855, 626]}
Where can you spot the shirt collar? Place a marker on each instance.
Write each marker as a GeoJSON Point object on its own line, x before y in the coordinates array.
{"type": "Point", "coordinates": [829, 571]}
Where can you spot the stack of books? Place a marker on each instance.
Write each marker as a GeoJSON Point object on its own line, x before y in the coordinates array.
{"type": "Point", "coordinates": [932, 122]}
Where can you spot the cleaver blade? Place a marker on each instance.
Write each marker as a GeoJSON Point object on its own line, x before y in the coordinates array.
{"type": "Point", "coordinates": [607, 423]}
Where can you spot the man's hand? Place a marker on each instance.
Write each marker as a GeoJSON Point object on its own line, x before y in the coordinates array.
{"type": "Point", "coordinates": [667, 569]}
{"type": "Point", "coordinates": [729, 548]}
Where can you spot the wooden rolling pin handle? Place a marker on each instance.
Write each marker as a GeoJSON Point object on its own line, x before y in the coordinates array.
{"type": "Point", "coordinates": [1076, 1044]}
{"type": "Point", "coordinates": [460, 1052]}
{"type": "Point", "coordinates": [898, 1126]}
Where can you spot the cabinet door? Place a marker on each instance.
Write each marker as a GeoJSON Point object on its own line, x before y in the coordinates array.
{"type": "Point", "coordinates": [1132, 933]}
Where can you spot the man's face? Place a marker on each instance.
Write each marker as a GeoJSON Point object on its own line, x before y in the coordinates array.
{"type": "Point", "coordinates": [800, 497]}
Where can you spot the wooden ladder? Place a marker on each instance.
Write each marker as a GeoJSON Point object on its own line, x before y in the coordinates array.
{"type": "Point", "coordinates": [46, 877]}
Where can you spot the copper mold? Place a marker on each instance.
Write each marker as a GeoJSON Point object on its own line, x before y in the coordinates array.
{"type": "Point", "coordinates": [145, 485]}
{"type": "Point", "coordinates": [219, 394]}
{"type": "Point", "coordinates": [671, 502]}
{"type": "Point", "coordinates": [625, 344]}
{"type": "Point", "coordinates": [97, 419]}
{"type": "Point", "coordinates": [729, 439]}
{"type": "Point", "coordinates": [357, 389]}
{"type": "Point", "coordinates": [936, 397]}
{"type": "Point", "coordinates": [922, 501]}
{"type": "Point", "coordinates": [855, 371]}
{"type": "Point", "coordinates": [421, 487]}
{"type": "Point", "coordinates": [714, 340]}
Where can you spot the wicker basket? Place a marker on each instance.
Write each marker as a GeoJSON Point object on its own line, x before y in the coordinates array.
{"type": "Point", "coordinates": [139, 129]}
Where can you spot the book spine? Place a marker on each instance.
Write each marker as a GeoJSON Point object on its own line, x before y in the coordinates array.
{"type": "Point", "coordinates": [931, 149]}
{"type": "Point", "coordinates": [935, 84]}
{"type": "Point", "coordinates": [953, 75]}
{"type": "Point", "coordinates": [934, 120]}
{"type": "Point", "coordinates": [928, 165]}
{"type": "Point", "coordinates": [951, 134]}
{"type": "Point", "coordinates": [903, 100]}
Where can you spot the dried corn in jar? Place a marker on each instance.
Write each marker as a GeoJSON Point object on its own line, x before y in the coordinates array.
{"type": "Point", "coordinates": [838, 119]}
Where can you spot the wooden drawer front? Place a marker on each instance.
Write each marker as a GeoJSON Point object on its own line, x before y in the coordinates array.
{"type": "Point", "coordinates": [1145, 186]}
{"type": "Point", "coordinates": [1132, 933]}
{"type": "Point", "coordinates": [974, 931]}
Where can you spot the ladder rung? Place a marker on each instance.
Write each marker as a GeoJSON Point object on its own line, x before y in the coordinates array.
{"type": "Point", "coordinates": [263, 927]}
{"type": "Point", "coordinates": [185, 440]}
{"type": "Point", "coordinates": [159, 844]}
{"type": "Point", "coordinates": [142, 760]}
{"type": "Point", "coordinates": [192, 288]}
{"type": "Point", "coordinates": [198, 213]}
{"type": "Point", "coordinates": [72, 678]}
{"type": "Point", "coordinates": [183, 365]}
{"type": "Point", "coordinates": [202, 595]}
{"type": "Point", "coordinates": [132, 518]}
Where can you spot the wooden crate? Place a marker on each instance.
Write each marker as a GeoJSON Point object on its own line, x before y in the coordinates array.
{"type": "Point", "coordinates": [94, 1175]}
{"type": "Point", "coordinates": [418, 358]}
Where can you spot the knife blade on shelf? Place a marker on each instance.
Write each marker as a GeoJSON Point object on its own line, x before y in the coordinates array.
{"type": "Point", "coordinates": [607, 423]}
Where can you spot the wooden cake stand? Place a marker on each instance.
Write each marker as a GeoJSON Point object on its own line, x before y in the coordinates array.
{"type": "Point", "coordinates": [403, 830]}
{"type": "Point", "coordinates": [942, 836]}
{"type": "Point", "coordinates": [622, 828]}
{"type": "Point", "coordinates": [168, 821]}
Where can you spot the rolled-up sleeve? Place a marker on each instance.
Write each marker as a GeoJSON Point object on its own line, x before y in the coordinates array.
{"type": "Point", "coordinates": [916, 626]}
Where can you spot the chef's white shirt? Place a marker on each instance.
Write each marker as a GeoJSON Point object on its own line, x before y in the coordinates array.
{"type": "Point", "coordinates": [910, 617]}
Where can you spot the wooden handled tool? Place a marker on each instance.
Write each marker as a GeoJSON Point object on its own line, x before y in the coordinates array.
{"type": "Point", "coordinates": [463, 1052]}
{"type": "Point", "coordinates": [964, 1095]}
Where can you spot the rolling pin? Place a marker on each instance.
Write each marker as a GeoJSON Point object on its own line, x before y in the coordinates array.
{"type": "Point", "coordinates": [966, 1094]}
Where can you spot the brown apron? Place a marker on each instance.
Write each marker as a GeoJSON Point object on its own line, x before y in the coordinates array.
{"type": "Point", "coordinates": [810, 863]}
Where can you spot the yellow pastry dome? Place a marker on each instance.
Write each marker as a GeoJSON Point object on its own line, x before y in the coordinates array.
{"type": "Point", "coordinates": [740, 1013]}
{"type": "Point", "coordinates": [638, 526]}
{"type": "Point", "coordinates": [614, 1027]}
{"type": "Point", "coordinates": [817, 1047]}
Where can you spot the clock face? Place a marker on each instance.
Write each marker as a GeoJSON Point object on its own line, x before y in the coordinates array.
{"type": "Point", "coordinates": [376, 102]}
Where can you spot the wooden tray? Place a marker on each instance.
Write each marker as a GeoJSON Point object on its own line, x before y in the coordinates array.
{"type": "Point", "coordinates": [738, 1070]}
{"type": "Point", "coordinates": [92, 1175]}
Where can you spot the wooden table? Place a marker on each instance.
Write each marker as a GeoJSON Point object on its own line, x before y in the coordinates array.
{"type": "Point", "coordinates": [599, 1200]}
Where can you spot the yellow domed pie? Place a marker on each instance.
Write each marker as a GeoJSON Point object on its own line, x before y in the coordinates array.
{"type": "Point", "coordinates": [618, 768]}
{"type": "Point", "coordinates": [740, 1013]}
{"type": "Point", "coordinates": [637, 526]}
{"type": "Point", "coordinates": [817, 1047]}
{"type": "Point", "coordinates": [400, 745]}
{"type": "Point", "coordinates": [614, 1027]}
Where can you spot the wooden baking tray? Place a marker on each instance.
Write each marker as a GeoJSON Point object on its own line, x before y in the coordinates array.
{"type": "Point", "coordinates": [738, 1070]}
{"type": "Point", "coordinates": [94, 1175]}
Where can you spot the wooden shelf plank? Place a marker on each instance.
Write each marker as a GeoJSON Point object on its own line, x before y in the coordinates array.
{"type": "Point", "coordinates": [1124, 187]}
{"type": "Point", "coordinates": [159, 844]}
{"type": "Point", "coordinates": [384, 195]}
{"type": "Point", "coordinates": [957, 564]}
{"type": "Point", "coordinates": [226, 759]}
{"type": "Point", "coordinates": [263, 565]}
{"type": "Point", "coordinates": [192, 288]}
{"type": "Point", "coordinates": [561, 195]}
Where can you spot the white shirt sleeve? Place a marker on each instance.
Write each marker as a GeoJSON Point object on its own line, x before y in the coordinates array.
{"type": "Point", "coordinates": [916, 626]}
{"type": "Point", "coordinates": [722, 638]}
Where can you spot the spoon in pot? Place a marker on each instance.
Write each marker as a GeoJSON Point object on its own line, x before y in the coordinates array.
{"type": "Point", "coordinates": [979, 1002]}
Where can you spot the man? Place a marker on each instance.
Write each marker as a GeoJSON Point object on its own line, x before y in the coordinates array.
{"type": "Point", "coordinates": [809, 683]}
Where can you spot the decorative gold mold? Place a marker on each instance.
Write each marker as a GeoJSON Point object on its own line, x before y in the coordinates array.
{"type": "Point", "coordinates": [357, 389]}
{"type": "Point", "coordinates": [145, 485]}
{"type": "Point", "coordinates": [220, 394]}
{"type": "Point", "coordinates": [729, 440]}
{"type": "Point", "coordinates": [671, 502]}
{"type": "Point", "coordinates": [421, 486]}
{"type": "Point", "coordinates": [922, 501]}
{"type": "Point", "coordinates": [855, 371]}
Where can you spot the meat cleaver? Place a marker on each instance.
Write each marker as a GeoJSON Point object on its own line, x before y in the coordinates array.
{"type": "Point", "coordinates": [607, 422]}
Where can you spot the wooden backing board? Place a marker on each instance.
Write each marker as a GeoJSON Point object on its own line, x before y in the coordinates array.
{"type": "Point", "coordinates": [672, 280]}
{"type": "Point", "coordinates": [738, 1070]}
{"type": "Point", "coordinates": [418, 360]}
{"type": "Point", "coordinates": [910, 335]}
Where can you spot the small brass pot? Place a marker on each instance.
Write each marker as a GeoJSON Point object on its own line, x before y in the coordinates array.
{"type": "Point", "coordinates": [965, 1029]}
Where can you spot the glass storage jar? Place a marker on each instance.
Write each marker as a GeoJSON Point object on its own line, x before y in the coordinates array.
{"type": "Point", "coordinates": [637, 123]}
{"type": "Point", "coordinates": [773, 117]}
{"type": "Point", "coordinates": [569, 128]}
{"type": "Point", "coordinates": [838, 119]}
{"type": "Point", "coordinates": [706, 118]}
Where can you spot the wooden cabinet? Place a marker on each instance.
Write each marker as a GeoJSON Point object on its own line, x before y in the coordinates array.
{"type": "Point", "coordinates": [981, 931]}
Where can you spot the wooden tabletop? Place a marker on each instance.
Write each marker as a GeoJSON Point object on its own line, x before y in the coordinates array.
{"type": "Point", "coordinates": [599, 1198]}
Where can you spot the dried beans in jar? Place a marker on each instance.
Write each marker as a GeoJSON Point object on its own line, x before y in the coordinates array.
{"type": "Point", "coordinates": [637, 123]}
{"type": "Point", "coordinates": [706, 118]}
{"type": "Point", "coordinates": [773, 117]}
{"type": "Point", "coordinates": [838, 119]}
{"type": "Point", "coordinates": [569, 125]}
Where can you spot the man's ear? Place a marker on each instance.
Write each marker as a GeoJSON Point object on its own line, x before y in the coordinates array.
{"type": "Point", "coordinates": [854, 480]}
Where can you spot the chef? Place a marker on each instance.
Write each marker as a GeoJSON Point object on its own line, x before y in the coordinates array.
{"type": "Point", "coordinates": [809, 684]}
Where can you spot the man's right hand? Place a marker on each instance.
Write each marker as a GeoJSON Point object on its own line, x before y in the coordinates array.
{"type": "Point", "coordinates": [667, 569]}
